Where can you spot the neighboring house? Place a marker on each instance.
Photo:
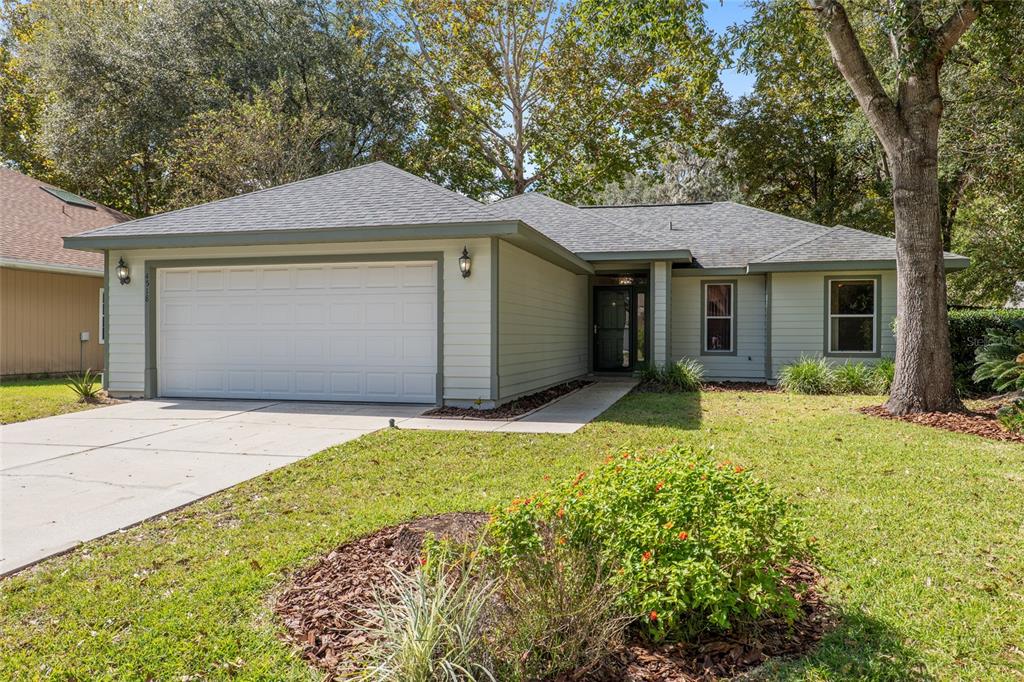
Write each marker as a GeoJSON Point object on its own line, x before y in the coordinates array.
{"type": "Point", "coordinates": [49, 296]}
{"type": "Point", "coordinates": [371, 284]}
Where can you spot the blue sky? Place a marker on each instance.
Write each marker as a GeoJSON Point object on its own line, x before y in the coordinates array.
{"type": "Point", "coordinates": [720, 15]}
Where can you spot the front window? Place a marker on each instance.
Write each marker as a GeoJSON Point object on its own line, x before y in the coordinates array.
{"type": "Point", "coordinates": [718, 317]}
{"type": "Point", "coordinates": [852, 311]}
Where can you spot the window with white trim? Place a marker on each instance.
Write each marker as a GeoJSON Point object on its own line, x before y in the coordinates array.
{"type": "Point", "coordinates": [102, 336]}
{"type": "Point", "coordinates": [852, 315]}
{"type": "Point", "coordinates": [719, 322]}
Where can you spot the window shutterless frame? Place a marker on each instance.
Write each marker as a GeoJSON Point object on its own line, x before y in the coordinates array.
{"type": "Point", "coordinates": [876, 341]}
{"type": "Point", "coordinates": [704, 317]}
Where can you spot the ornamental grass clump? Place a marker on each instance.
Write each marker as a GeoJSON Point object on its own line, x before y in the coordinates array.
{"type": "Point", "coordinates": [809, 375]}
{"type": "Point", "coordinates": [696, 544]}
{"type": "Point", "coordinates": [854, 377]}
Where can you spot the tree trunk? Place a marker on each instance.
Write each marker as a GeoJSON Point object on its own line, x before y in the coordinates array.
{"type": "Point", "coordinates": [924, 368]}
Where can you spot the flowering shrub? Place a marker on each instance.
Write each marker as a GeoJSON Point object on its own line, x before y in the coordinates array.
{"type": "Point", "coordinates": [693, 543]}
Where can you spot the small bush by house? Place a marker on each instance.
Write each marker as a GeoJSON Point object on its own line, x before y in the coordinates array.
{"type": "Point", "coordinates": [686, 376]}
{"type": "Point", "coordinates": [968, 332]}
{"type": "Point", "coordinates": [817, 376]}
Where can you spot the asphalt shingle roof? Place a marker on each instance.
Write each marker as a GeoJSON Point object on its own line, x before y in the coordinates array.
{"type": "Point", "coordinates": [33, 223]}
{"type": "Point", "coordinates": [375, 194]}
{"type": "Point", "coordinates": [579, 231]}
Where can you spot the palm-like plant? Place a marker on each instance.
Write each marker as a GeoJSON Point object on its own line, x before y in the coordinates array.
{"type": "Point", "coordinates": [1001, 359]}
{"type": "Point", "coordinates": [85, 385]}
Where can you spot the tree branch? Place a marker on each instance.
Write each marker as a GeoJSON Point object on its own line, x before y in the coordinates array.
{"type": "Point", "coordinates": [857, 70]}
{"type": "Point", "coordinates": [947, 35]}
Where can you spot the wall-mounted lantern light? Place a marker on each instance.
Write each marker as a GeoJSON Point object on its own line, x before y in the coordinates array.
{"type": "Point", "coordinates": [465, 262]}
{"type": "Point", "coordinates": [122, 272]}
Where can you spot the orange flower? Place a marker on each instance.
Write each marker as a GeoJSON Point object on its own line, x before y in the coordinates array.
{"type": "Point", "coordinates": [683, 535]}
{"type": "Point", "coordinates": [659, 486]}
{"type": "Point", "coordinates": [625, 455]}
{"type": "Point", "coordinates": [561, 541]}
{"type": "Point", "coordinates": [560, 513]}
{"type": "Point", "coordinates": [654, 615]}
{"type": "Point", "coordinates": [668, 525]}
{"type": "Point", "coordinates": [423, 561]}
{"type": "Point", "coordinates": [647, 555]}
{"type": "Point", "coordinates": [739, 469]}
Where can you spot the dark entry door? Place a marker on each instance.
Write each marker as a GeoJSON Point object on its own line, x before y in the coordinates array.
{"type": "Point", "coordinates": [613, 328]}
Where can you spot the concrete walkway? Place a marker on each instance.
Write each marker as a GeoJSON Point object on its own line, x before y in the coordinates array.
{"type": "Point", "coordinates": [566, 415]}
{"type": "Point", "coordinates": [74, 477]}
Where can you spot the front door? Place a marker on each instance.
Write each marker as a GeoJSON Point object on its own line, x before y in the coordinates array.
{"type": "Point", "coordinates": [613, 329]}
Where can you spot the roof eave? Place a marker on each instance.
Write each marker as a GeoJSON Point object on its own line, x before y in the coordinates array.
{"type": "Point", "coordinates": [57, 268]}
{"type": "Point", "coordinates": [498, 228]}
{"type": "Point", "coordinates": [952, 263]}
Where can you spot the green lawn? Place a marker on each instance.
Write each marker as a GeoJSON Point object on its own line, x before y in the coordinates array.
{"type": "Point", "coordinates": [34, 398]}
{"type": "Point", "coordinates": [920, 537]}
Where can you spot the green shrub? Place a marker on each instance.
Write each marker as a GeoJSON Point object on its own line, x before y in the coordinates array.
{"type": "Point", "coordinates": [968, 331]}
{"type": "Point", "coordinates": [697, 544]}
{"type": "Point", "coordinates": [429, 627]}
{"type": "Point", "coordinates": [854, 377]}
{"type": "Point", "coordinates": [558, 612]}
{"type": "Point", "coordinates": [86, 386]}
{"type": "Point", "coordinates": [809, 375]}
{"type": "Point", "coordinates": [1011, 416]}
{"type": "Point", "coordinates": [1001, 359]}
{"type": "Point", "coordinates": [686, 376]}
{"type": "Point", "coordinates": [883, 373]}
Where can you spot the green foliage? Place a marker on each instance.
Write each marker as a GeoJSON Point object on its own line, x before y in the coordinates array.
{"type": "Point", "coordinates": [809, 375]}
{"type": "Point", "coordinates": [428, 628]}
{"type": "Point", "coordinates": [1011, 416]}
{"type": "Point", "coordinates": [884, 373]}
{"type": "Point", "coordinates": [854, 377]}
{"type": "Point", "coordinates": [85, 385]}
{"type": "Point", "coordinates": [698, 544]}
{"type": "Point", "coordinates": [968, 331]}
{"type": "Point", "coordinates": [1001, 359]}
{"type": "Point", "coordinates": [558, 612]}
{"type": "Point", "coordinates": [686, 376]}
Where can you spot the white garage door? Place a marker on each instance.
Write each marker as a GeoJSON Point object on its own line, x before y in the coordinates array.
{"type": "Point", "coordinates": [339, 331]}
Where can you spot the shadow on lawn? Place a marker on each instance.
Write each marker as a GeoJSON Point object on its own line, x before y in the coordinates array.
{"type": "Point", "coordinates": [859, 648]}
{"type": "Point", "coordinates": [668, 410]}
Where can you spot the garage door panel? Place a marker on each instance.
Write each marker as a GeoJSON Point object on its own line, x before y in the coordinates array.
{"type": "Point", "coordinates": [310, 332]}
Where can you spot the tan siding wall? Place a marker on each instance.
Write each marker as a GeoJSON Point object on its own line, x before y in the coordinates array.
{"type": "Point", "coordinates": [467, 324]}
{"type": "Point", "coordinates": [542, 322]}
{"type": "Point", "coordinates": [798, 315]}
{"type": "Point", "coordinates": [748, 363]}
{"type": "Point", "coordinates": [42, 315]}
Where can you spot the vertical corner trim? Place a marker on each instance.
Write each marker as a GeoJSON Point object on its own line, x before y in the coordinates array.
{"type": "Point", "coordinates": [495, 321]}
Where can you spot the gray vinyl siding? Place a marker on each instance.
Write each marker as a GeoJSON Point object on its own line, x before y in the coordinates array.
{"type": "Point", "coordinates": [799, 315]}
{"type": "Point", "coordinates": [749, 333]}
{"type": "Point", "coordinates": [542, 323]}
{"type": "Point", "coordinates": [467, 305]}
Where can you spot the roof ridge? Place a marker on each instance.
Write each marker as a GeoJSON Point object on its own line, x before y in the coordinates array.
{"type": "Point", "coordinates": [799, 242]}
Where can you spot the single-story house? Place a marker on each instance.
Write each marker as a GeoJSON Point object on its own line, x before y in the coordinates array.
{"type": "Point", "coordinates": [372, 284]}
{"type": "Point", "coordinates": [50, 297]}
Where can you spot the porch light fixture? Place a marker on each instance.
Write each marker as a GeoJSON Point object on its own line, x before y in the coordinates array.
{"type": "Point", "coordinates": [122, 272]}
{"type": "Point", "coordinates": [465, 262]}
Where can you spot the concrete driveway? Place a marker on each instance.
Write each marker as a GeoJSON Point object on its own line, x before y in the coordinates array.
{"type": "Point", "coordinates": [71, 478]}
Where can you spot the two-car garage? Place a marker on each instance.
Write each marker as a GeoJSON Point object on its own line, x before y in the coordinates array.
{"type": "Point", "coordinates": [345, 331]}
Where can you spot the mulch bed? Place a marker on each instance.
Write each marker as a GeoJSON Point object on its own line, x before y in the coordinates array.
{"type": "Point", "coordinates": [323, 605]}
{"type": "Point", "coordinates": [725, 386]}
{"type": "Point", "coordinates": [981, 422]}
{"type": "Point", "coordinates": [511, 410]}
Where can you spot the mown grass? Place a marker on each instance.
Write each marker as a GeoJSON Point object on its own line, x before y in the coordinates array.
{"type": "Point", "coordinates": [920, 536]}
{"type": "Point", "coordinates": [26, 399]}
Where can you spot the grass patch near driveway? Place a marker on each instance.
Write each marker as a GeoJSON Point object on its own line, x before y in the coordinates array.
{"type": "Point", "coordinates": [25, 399]}
{"type": "Point", "coordinates": [920, 538]}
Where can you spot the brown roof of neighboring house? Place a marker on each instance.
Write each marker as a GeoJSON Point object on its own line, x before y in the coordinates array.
{"type": "Point", "coordinates": [33, 223]}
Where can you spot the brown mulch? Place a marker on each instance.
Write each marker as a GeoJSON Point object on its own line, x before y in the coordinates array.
{"type": "Point", "coordinates": [323, 605]}
{"type": "Point", "coordinates": [981, 422]}
{"type": "Point", "coordinates": [511, 410]}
